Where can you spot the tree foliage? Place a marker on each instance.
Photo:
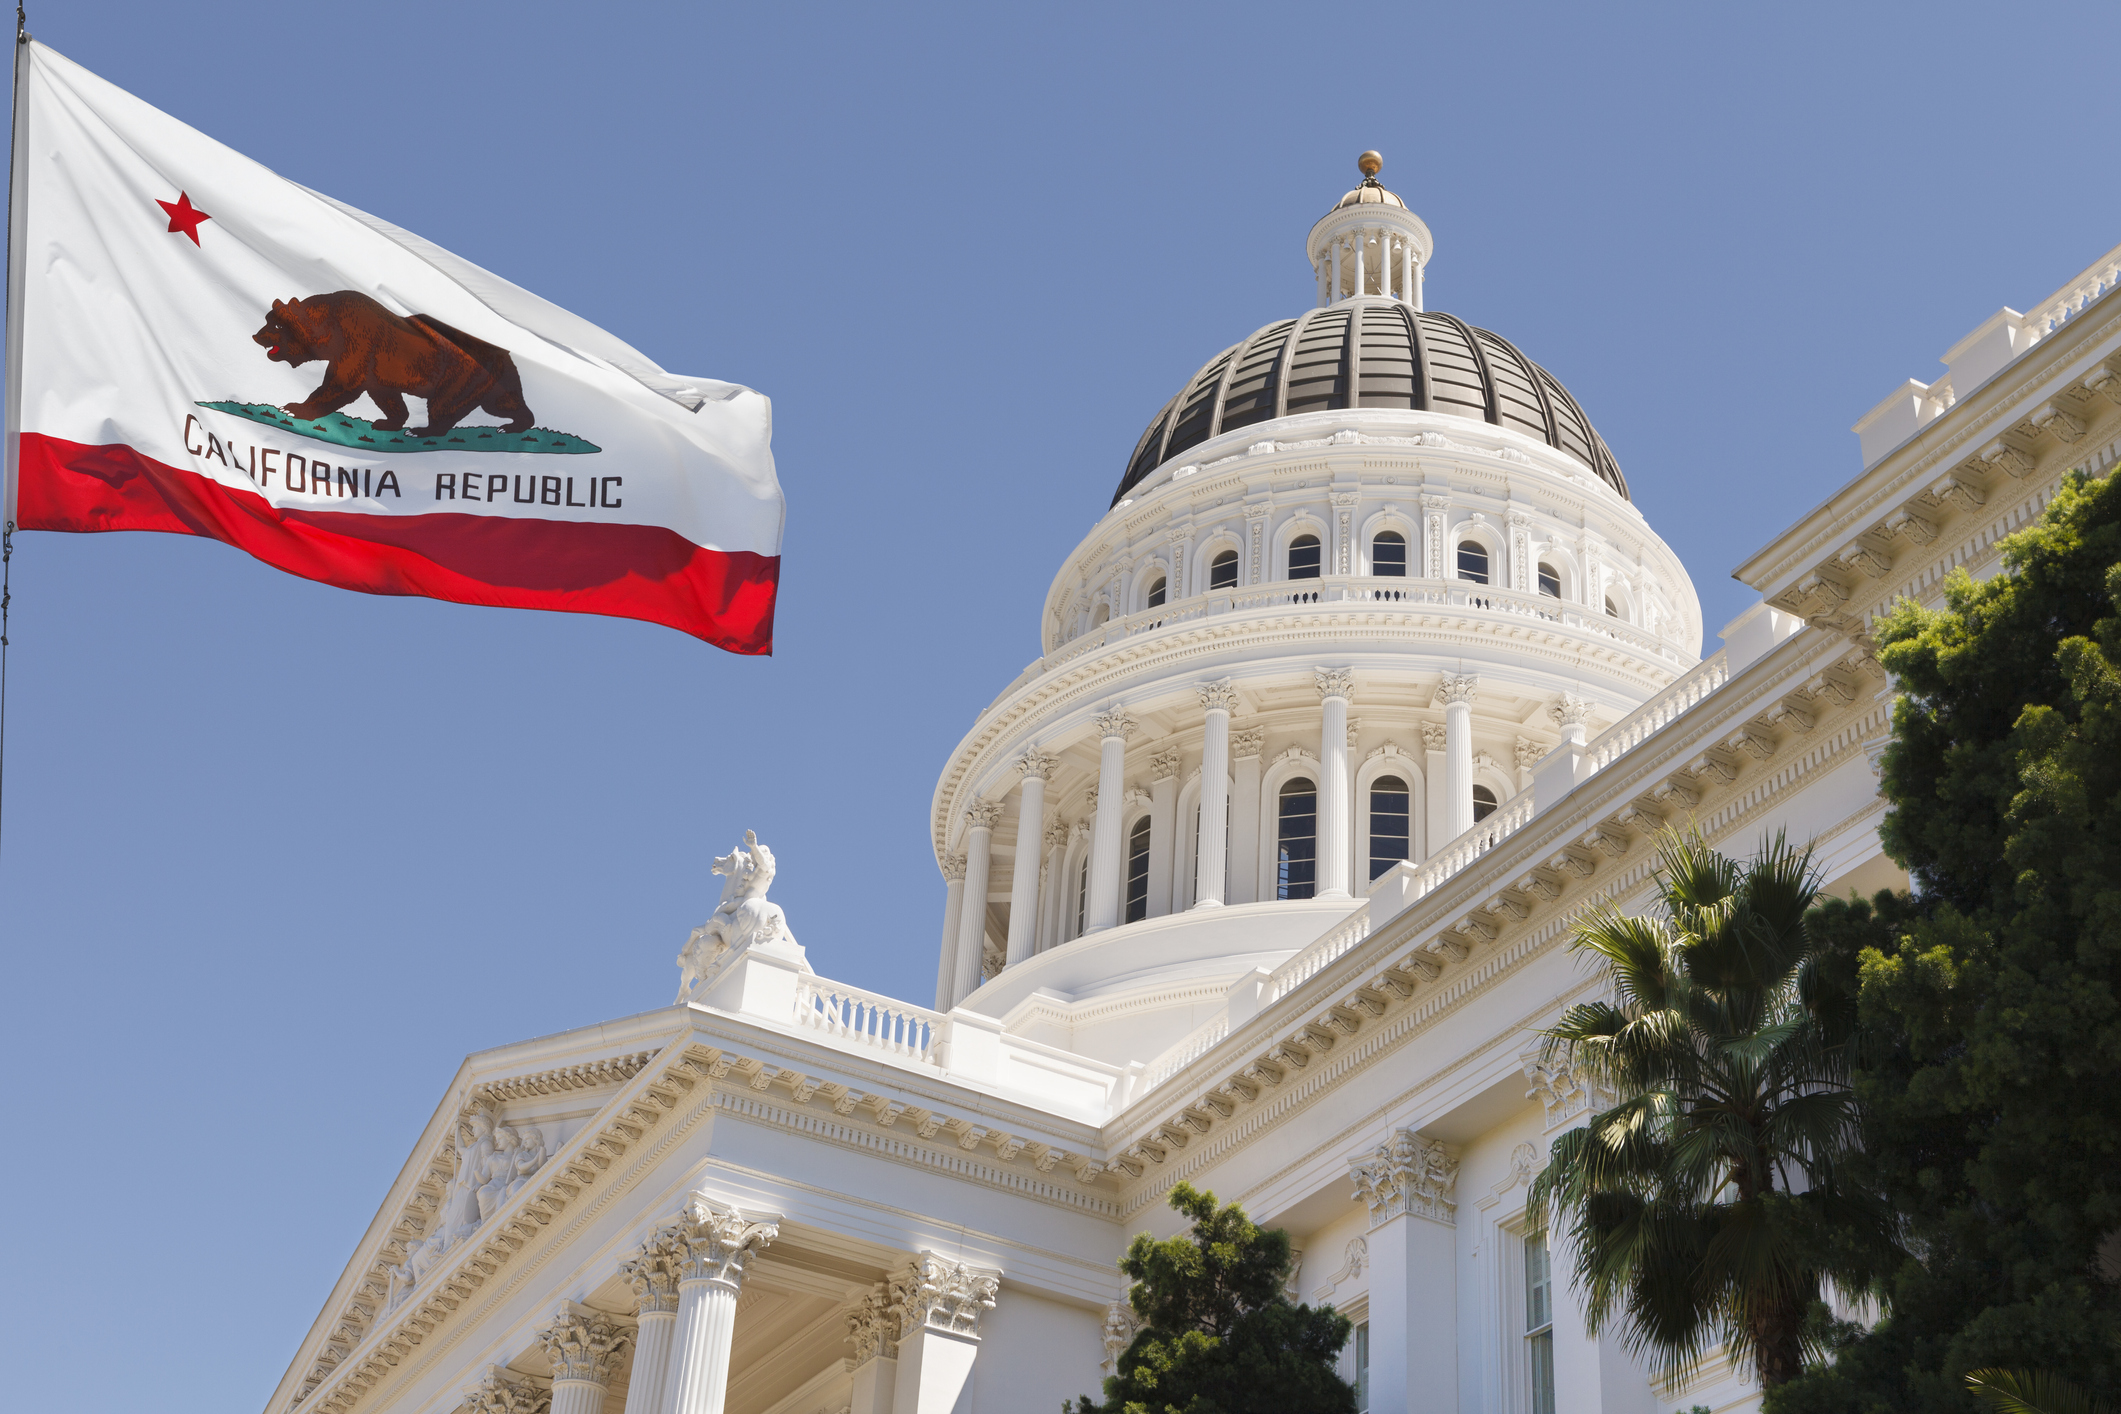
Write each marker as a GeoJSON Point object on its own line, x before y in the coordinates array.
{"type": "Point", "coordinates": [1710, 1203]}
{"type": "Point", "coordinates": [1219, 1334]}
{"type": "Point", "coordinates": [1990, 1065]}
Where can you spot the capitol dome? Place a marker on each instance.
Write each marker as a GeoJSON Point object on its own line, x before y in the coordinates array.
{"type": "Point", "coordinates": [1366, 572]}
{"type": "Point", "coordinates": [1373, 352]}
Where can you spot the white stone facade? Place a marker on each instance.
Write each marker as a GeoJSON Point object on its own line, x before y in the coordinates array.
{"type": "Point", "coordinates": [781, 1195]}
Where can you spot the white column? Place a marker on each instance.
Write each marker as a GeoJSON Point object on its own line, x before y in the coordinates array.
{"type": "Point", "coordinates": [1406, 272]}
{"type": "Point", "coordinates": [1410, 1186]}
{"type": "Point", "coordinates": [1434, 824]}
{"type": "Point", "coordinates": [715, 1245]}
{"type": "Point", "coordinates": [1457, 697]}
{"type": "Point", "coordinates": [1419, 272]}
{"type": "Point", "coordinates": [584, 1347]}
{"type": "Point", "coordinates": [942, 1302]}
{"type": "Point", "coordinates": [872, 1328]}
{"type": "Point", "coordinates": [953, 902]}
{"type": "Point", "coordinates": [653, 1275]}
{"type": "Point", "coordinates": [1052, 893]}
{"type": "Point", "coordinates": [1037, 768]}
{"type": "Point", "coordinates": [1362, 241]}
{"type": "Point", "coordinates": [972, 915]}
{"type": "Point", "coordinates": [1335, 289]}
{"type": "Point", "coordinates": [1244, 815]}
{"type": "Point", "coordinates": [1335, 816]}
{"type": "Point", "coordinates": [1163, 829]}
{"type": "Point", "coordinates": [1102, 911]}
{"type": "Point", "coordinates": [1219, 700]}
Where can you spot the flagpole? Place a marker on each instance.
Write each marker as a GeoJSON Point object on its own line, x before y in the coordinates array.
{"type": "Point", "coordinates": [16, 220]}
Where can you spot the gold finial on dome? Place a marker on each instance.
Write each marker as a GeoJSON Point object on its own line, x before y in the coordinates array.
{"type": "Point", "coordinates": [1370, 163]}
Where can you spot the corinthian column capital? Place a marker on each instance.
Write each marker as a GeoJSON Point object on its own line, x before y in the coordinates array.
{"type": "Point", "coordinates": [716, 1243]}
{"type": "Point", "coordinates": [495, 1393]}
{"type": "Point", "coordinates": [1410, 1174]}
{"type": "Point", "coordinates": [1569, 710]}
{"type": "Point", "coordinates": [653, 1274]}
{"type": "Point", "coordinates": [1454, 690]}
{"type": "Point", "coordinates": [953, 866]}
{"type": "Point", "coordinates": [583, 1345]}
{"type": "Point", "coordinates": [1115, 723]}
{"type": "Point", "coordinates": [938, 1294]}
{"type": "Point", "coordinates": [1037, 765]}
{"type": "Point", "coordinates": [1217, 696]}
{"type": "Point", "coordinates": [983, 815]}
{"type": "Point", "coordinates": [1335, 682]}
{"type": "Point", "coordinates": [872, 1325]}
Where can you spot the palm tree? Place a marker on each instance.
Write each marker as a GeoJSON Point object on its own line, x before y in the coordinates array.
{"type": "Point", "coordinates": [1710, 1203]}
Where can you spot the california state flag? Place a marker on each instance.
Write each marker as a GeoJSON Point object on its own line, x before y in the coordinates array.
{"type": "Point", "coordinates": [199, 346]}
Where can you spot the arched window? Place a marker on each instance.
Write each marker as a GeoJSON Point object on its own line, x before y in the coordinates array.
{"type": "Point", "coordinates": [1388, 554]}
{"type": "Point", "coordinates": [1222, 570]}
{"type": "Point", "coordinates": [1296, 838]}
{"type": "Point", "coordinates": [1473, 561]}
{"type": "Point", "coordinates": [1156, 593]}
{"type": "Point", "coordinates": [1612, 610]}
{"type": "Point", "coordinates": [1549, 580]}
{"type": "Point", "coordinates": [1483, 803]}
{"type": "Point", "coordinates": [1303, 557]}
{"type": "Point", "coordinates": [1390, 823]}
{"type": "Point", "coordinates": [1138, 872]}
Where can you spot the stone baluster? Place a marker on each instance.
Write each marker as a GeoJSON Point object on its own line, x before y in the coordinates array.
{"type": "Point", "coordinates": [653, 1275]}
{"type": "Point", "coordinates": [1113, 729]}
{"type": "Point", "coordinates": [1456, 694]}
{"type": "Point", "coordinates": [953, 903]}
{"type": "Point", "coordinates": [715, 1245]}
{"type": "Point", "coordinates": [940, 1304]}
{"type": "Point", "coordinates": [1037, 768]}
{"type": "Point", "coordinates": [584, 1347]}
{"type": "Point", "coordinates": [1219, 699]}
{"type": "Point", "coordinates": [1335, 816]}
{"type": "Point", "coordinates": [980, 820]}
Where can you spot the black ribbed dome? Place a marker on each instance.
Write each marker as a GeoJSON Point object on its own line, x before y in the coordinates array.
{"type": "Point", "coordinates": [1371, 354]}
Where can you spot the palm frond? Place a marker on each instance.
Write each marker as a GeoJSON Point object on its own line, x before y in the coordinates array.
{"type": "Point", "coordinates": [2032, 1392]}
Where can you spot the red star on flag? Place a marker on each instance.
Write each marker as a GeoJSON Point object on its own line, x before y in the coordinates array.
{"type": "Point", "coordinates": [183, 216]}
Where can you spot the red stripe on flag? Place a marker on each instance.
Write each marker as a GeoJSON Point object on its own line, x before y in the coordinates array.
{"type": "Point", "coordinates": [626, 571]}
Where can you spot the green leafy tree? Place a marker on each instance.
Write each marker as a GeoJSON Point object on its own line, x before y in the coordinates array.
{"type": "Point", "coordinates": [1710, 1204]}
{"type": "Point", "coordinates": [1990, 1003]}
{"type": "Point", "coordinates": [1219, 1335]}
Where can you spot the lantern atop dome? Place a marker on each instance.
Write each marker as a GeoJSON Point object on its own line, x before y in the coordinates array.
{"type": "Point", "coordinates": [1370, 245]}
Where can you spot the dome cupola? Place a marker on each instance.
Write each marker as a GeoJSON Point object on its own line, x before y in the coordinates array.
{"type": "Point", "coordinates": [1369, 343]}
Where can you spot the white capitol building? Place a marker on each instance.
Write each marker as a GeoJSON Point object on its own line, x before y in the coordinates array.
{"type": "Point", "coordinates": [1372, 601]}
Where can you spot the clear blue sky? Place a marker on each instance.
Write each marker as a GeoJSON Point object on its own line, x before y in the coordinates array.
{"type": "Point", "coordinates": [277, 855]}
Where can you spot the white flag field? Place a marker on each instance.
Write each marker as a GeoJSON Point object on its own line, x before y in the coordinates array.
{"type": "Point", "coordinates": [199, 346]}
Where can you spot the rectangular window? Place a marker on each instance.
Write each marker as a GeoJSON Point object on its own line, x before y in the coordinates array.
{"type": "Point", "coordinates": [1362, 1368]}
{"type": "Point", "coordinates": [1538, 1325]}
{"type": "Point", "coordinates": [1296, 864]}
{"type": "Point", "coordinates": [1390, 824]}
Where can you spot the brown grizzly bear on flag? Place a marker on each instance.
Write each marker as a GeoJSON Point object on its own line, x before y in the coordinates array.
{"type": "Point", "coordinates": [370, 350]}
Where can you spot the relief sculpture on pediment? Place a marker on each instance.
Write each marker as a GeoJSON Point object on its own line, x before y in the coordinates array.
{"type": "Point", "coordinates": [494, 1162]}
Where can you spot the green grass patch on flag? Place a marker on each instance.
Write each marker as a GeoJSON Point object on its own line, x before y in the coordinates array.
{"type": "Point", "coordinates": [362, 435]}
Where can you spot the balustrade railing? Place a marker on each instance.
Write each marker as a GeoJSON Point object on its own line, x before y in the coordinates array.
{"type": "Point", "coordinates": [1186, 1050]}
{"type": "Point", "coordinates": [1633, 729]}
{"type": "Point", "coordinates": [857, 1018]}
{"type": "Point", "coordinates": [2099, 278]}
